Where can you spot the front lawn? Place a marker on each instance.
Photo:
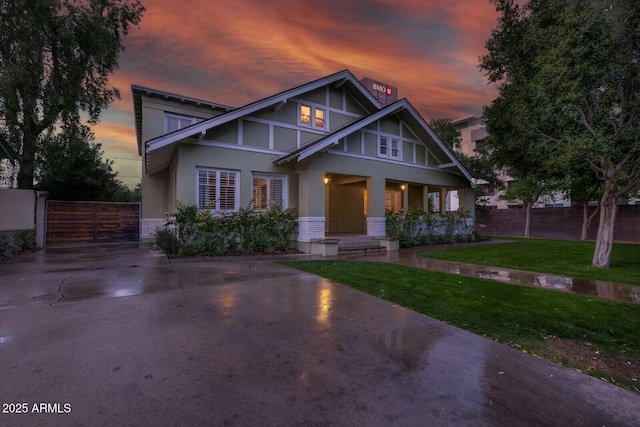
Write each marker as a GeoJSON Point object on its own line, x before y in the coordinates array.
{"type": "Point", "coordinates": [554, 325]}
{"type": "Point", "coordinates": [562, 257]}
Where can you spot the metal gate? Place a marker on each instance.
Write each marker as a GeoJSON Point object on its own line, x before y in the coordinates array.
{"type": "Point", "coordinates": [71, 223]}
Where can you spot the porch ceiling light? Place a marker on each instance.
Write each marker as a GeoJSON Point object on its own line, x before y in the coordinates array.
{"type": "Point", "coordinates": [326, 180]}
{"type": "Point", "coordinates": [402, 187]}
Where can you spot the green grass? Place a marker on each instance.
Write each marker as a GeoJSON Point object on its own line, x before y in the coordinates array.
{"type": "Point", "coordinates": [562, 257]}
{"type": "Point", "coordinates": [523, 317]}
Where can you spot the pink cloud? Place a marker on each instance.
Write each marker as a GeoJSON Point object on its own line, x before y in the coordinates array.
{"type": "Point", "coordinates": [235, 52]}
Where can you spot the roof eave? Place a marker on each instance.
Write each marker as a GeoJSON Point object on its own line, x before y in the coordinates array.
{"type": "Point", "coordinates": [338, 78]}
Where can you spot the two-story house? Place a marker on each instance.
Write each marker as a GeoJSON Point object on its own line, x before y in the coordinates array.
{"type": "Point", "coordinates": [328, 148]}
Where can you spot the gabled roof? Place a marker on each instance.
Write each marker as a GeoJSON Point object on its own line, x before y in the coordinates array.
{"type": "Point", "coordinates": [160, 150]}
{"type": "Point", "coordinates": [138, 91]}
{"type": "Point", "coordinates": [7, 152]}
{"type": "Point", "coordinates": [402, 107]}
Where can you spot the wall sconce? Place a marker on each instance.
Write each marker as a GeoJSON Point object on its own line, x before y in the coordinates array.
{"type": "Point", "coordinates": [402, 187]}
{"type": "Point", "coordinates": [326, 180]}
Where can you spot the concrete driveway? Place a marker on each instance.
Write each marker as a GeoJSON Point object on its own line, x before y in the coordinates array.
{"type": "Point", "coordinates": [119, 336]}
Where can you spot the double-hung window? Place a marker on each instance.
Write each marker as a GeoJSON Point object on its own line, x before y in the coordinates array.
{"type": "Point", "coordinates": [388, 147]}
{"type": "Point", "coordinates": [312, 116]}
{"type": "Point", "coordinates": [268, 191]}
{"type": "Point", "coordinates": [218, 189]}
{"type": "Point", "coordinates": [174, 122]}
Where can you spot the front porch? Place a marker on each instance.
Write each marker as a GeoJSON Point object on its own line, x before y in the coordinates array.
{"type": "Point", "coordinates": [350, 209]}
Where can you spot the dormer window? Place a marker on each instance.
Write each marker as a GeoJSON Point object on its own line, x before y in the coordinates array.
{"type": "Point", "coordinates": [388, 147]}
{"type": "Point", "coordinates": [174, 122]}
{"type": "Point", "coordinates": [312, 116]}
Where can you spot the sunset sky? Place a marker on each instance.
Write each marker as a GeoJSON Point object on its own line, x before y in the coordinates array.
{"type": "Point", "coordinates": [234, 52]}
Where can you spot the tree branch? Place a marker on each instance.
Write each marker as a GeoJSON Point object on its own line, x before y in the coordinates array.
{"type": "Point", "coordinates": [585, 122]}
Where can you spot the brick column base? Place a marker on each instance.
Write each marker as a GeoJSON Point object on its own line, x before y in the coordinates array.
{"type": "Point", "coordinates": [376, 226]}
{"type": "Point", "coordinates": [148, 227]}
{"type": "Point", "coordinates": [310, 227]}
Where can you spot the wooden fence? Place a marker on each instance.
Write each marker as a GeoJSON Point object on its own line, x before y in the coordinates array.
{"type": "Point", "coordinates": [91, 222]}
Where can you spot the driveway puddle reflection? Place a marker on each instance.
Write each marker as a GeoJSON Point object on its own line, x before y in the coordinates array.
{"type": "Point", "coordinates": [593, 288]}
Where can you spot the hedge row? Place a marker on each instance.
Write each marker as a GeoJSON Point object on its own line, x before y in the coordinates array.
{"type": "Point", "coordinates": [13, 242]}
{"type": "Point", "coordinates": [209, 233]}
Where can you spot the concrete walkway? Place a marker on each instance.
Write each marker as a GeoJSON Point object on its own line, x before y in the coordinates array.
{"type": "Point", "coordinates": [119, 336]}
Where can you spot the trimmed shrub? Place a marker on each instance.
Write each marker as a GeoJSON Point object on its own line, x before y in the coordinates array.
{"type": "Point", "coordinates": [417, 227]}
{"type": "Point", "coordinates": [167, 242]}
{"type": "Point", "coordinates": [28, 237]}
{"type": "Point", "coordinates": [216, 233]}
{"type": "Point", "coordinates": [13, 242]}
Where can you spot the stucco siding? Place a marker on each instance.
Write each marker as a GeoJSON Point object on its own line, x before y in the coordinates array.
{"type": "Point", "coordinates": [354, 143]}
{"type": "Point", "coordinates": [255, 134]}
{"type": "Point", "coordinates": [318, 96]}
{"type": "Point", "coordinates": [390, 125]}
{"type": "Point", "coordinates": [227, 132]}
{"type": "Point", "coordinates": [354, 107]}
{"type": "Point", "coordinates": [284, 139]}
{"type": "Point", "coordinates": [307, 137]}
{"type": "Point", "coordinates": [247, 163]}
{"type": "Point", "coordinates": [407, 133]}
{"type": "Point", "coordinates": [435, 160]}
{"type": "Point", "coordinates": [155, 200]}
{"type": "Point", "coordinates": [421, 155]}
{"type": "Point", "coordinates": [336, 98]}
{"type": "Point", "coordinates": [370, 144]}
{"type": "Point", "coordinates": [154, 109]}
{"type": "Point", "coordinates": [407, 152]}
{"type": "Point", "coordinates": [338, 120]}
{"type": "Point", "coordinates": [349, 165]}
{"type": "Point", "coordinates": [286, 113]}
{"type": "Point", "coordinates": [153, 119]}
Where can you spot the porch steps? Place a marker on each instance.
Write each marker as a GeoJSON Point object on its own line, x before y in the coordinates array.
{"type": "Point", "coordinates": [359, 245]}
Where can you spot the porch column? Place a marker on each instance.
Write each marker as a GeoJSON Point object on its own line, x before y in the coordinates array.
{"type": "Point", "coordinates": [375, 206]}
{"type": "Point", "coordinates": [443, 201]}
{"type": "Point", "coordinates": [311, 205]}
{"type": "Point", "coordinates": [467, 200]}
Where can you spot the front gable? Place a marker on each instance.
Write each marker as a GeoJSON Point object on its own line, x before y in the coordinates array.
{"type": "Point", "coordinates": [286, 126]}
{"type": "Point", "coordinates": [395, 134]}
{"type": "Point", "coordinates": [299, 115]}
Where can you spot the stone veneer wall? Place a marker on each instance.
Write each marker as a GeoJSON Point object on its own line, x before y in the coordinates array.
{"type": "Point", "coordinates": [556, 223]}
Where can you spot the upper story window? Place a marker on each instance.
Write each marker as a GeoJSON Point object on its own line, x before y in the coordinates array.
{"type": "Point", "coordinates": [312, 116]}
{"type": "Point", "coordinates": [218, 189]}
{"type": "Point", "coordinates": [388, 147]}
{"type": "Point", "coordinates": [174, 122]}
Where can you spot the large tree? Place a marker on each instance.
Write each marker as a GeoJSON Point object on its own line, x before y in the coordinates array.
{"type": "Point", "coordinates": [569, 75]}
{"type": "Point", "coordinates": [71, 167]}
{"type": "Point", "coordinates": [55, 60]}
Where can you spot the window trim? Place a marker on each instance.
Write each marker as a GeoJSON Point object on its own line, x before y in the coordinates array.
{"type": "Point", "coordinates": [180, 117]}
{"type": "Point", "coordinates": [313, 115]}
{"type": "Point", "coordinates": [269, 177]}
{"type": "Point", "coordinates": [388, 146]}
{"type": "Point", "coordinates": [236, 186]}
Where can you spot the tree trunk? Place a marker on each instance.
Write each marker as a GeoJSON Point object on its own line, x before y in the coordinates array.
{"type": "Point", "coordinates": [585, 220]}
{"type": "Point", "coordinates": [527, 222]}
{"type": "Point", "coordinates": [27, 160]}
{"type": "Point", "coordinates": [604, 241]}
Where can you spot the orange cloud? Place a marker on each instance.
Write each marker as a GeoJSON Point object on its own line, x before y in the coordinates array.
{"type": "Point", "coordinates": [237, 51]}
